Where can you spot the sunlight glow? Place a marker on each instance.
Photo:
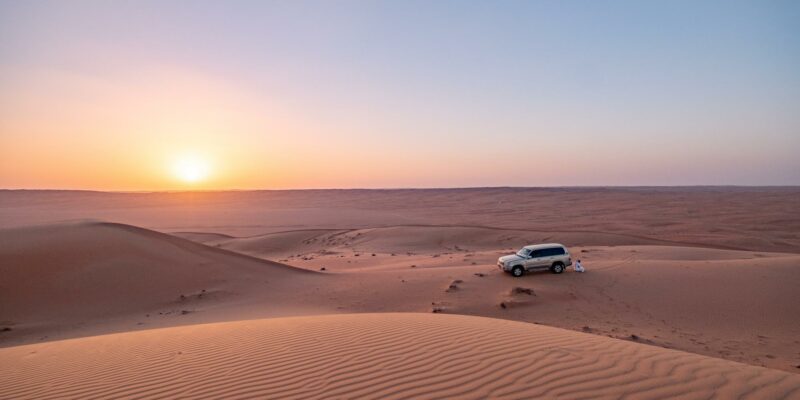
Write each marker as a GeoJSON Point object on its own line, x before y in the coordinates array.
{"type": "Point", "coordinates": [191, 168]}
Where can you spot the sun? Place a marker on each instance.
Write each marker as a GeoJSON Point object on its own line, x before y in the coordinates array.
{"type": "Point", "coordinates": [191, 168]}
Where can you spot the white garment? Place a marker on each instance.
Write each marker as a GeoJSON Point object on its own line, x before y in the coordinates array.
{"type": "Point", "coordinates": [579, 267]}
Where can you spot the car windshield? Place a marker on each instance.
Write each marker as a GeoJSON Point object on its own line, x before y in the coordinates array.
{"type": "Point", "coordinates": [523, 252]}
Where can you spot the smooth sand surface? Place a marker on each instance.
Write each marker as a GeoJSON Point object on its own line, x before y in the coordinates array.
{"type": "Point", "coordinates": [710, 271]}
{"type": "Point", "coordinates": [733, 304]}
{"type": "Point", "coordinates": [107, 278]}
{"type": "Point", "coordinates": [748, 218]}
{"type": "Point", "coordinates": [374, 356]}
{"type": "Point", "coordinates": [97, 270]}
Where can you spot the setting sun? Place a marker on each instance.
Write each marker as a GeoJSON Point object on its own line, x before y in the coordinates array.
{"type": "Point", "coordinates": [383, 199]}
{"type": "Point", "coordinates": [191, 168]}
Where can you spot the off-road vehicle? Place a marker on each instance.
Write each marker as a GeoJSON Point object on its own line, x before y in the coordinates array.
{"type": "Point", "coordinates": [537, 257]}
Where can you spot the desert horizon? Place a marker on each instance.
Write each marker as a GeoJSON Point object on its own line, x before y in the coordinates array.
{"type": "Point", "coordinates": [136, 270]}
{"type": "Point", "coordinates": [390, 199]}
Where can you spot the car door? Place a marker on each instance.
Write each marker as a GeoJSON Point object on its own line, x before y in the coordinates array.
{"type": "Point", "coordinates": [535, 262]}
{"type": "Point", "coordinates": [546, 257]}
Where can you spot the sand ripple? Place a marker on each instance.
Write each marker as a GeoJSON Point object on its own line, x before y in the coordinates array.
{"type": "Point", "coordinates": [374, 356]}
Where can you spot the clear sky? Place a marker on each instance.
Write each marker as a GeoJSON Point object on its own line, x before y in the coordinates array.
{"type": "Point", "coordinates": [136, 95]}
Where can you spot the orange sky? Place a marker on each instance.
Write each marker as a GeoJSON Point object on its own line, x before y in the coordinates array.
{"type": "Point", "coordinates": [310, 95]}
{"type": "Point", "coordinates": [128, 135]}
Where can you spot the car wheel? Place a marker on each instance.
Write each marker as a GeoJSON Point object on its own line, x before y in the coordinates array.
{"type": "Point", "coordinates": [517, 271]}
{"type": "Point", "coordinates": [558, 268]}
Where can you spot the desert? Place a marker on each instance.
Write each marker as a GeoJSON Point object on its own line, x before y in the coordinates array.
{"type": "Point", "coordinates": [678, 302]}
{"type": "Point", "coordinates": [383, 199]}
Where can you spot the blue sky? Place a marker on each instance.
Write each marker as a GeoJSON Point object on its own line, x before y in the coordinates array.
{"type": "Point", "coordinates": [403, 94]}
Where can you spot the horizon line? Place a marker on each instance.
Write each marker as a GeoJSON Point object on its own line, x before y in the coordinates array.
{"type": "Point", "coordinates": [392, 188]}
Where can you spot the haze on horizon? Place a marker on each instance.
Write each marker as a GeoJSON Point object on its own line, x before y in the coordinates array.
{"type": "Point", "coordinates": [304, 94]}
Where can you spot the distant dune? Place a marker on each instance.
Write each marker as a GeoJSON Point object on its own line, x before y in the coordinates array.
{"type": "Point", "coordinates": [746, 218]}
{"type": "Point", "coordinates": [374, 356]}
{"type": "Point", "coordinates": [412, 238]}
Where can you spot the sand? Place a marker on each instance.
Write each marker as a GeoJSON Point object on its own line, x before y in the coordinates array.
{"type": "Point", "coordinates": [745, 218]}
{"type": "Point", "coordinates": [65, 276]}
{"type": "Point", "coordinates": [374, 356]}
{"type": "Point", "coordinates": [215, 276]}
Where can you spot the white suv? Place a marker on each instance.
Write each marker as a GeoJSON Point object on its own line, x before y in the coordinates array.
{"type": "Point", "coordinates": [552, 256]}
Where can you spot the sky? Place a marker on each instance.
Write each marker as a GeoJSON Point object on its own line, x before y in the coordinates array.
{"type": "Point", "coordinates": [210, 95]}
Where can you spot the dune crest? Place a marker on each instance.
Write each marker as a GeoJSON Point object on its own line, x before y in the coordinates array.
{"type": "Point", "coordinates": [380, 356]}
{"type": "Point", "coordinates": [78, 273]}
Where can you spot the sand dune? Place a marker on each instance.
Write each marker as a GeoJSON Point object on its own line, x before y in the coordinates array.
{"type": "Point", "coordinates": [738, 305]}
{"type": "Point", "coordinates": [113, 278]}
{"type": "Point", "coordinates": [759, 218]}
{"type": "Point", "coordinates": [665, 268]}
{"type": "Point", "coordinates": [271, 245]}
{"type": "Point", "coordinates": [380, 356]}
{"type": "Point", "coordinates": [78, 273]}
{"type": "Point", "coordinates": [418, 239]}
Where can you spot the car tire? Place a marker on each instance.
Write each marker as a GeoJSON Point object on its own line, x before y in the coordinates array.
{"type": "Point", "coordinates": [517, 271]}
{"type": "Point", "coordinates": [557, 268]}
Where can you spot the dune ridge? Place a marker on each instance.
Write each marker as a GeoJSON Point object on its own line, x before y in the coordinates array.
{"type": "Point", "coordinates": [418, 239]}
{"type": "Point", "coordinates": [751, 218]}
{"type": "Point", "coordinates": [374, 356]}
{"type": "Point", "coordinates": [77, 273]}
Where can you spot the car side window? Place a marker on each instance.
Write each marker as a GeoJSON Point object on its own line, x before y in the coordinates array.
{"type": "Point", "coordinates": [554, 251]}
{"type": "Point", "coordinates": [537, 254]}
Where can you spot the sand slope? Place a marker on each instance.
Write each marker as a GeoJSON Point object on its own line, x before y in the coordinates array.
{"type": "Point", "coordinates": [738, 305]}
{"type": "Point", "coordinates": [83, 279]}
{"type": "Point", "coordinates": [375, 356]}
{"type": "Point", "coordinates": [414, 239]}
{"type": "Point", "coordinates": [79, 273]}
